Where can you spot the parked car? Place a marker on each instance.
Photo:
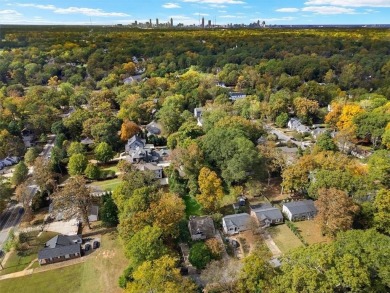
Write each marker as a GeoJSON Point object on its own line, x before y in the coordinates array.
{"type": "Point", "coordinates": [95, 244]}
{"type": "Point", "coordinates": [87, 246]}
{"type": "Point", "coordinates": [11, 159]}
{"type": "Point", "coordinates": [6, 163]}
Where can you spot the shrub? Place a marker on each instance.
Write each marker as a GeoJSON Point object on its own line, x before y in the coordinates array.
{"type": "Point", "coordinates": [200, 255]}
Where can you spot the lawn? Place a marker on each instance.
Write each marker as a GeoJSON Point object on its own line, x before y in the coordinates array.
{"type": "Point", "coordinates": [311, 232]}
{"type": "Point", "coordinates": [193, 208]}
{"type": "Point", "coordinates": [107, 185]}
{"type": "Point", "coordinates": [284, 238]}
{"type": "Point", "coordinates": [62, 280]}
{"type": "Point", "coordinates": [21, 258]}
{"type": "Point", "coordinates": [99, 273]}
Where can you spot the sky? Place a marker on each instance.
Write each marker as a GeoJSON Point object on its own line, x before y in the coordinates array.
{"type": "Point", "coordinates": [189, 12]}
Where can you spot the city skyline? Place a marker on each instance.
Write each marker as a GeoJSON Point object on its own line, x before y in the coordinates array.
{"type": "Point", "coordinates": [191, 12]}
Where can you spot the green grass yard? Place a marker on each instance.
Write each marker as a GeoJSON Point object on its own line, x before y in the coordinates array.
{"type": "Point", "coordinates": [21, 258]}
{"type": "Point", "coordinates": [284, 238]}
{"type": "Point", "coordinates": [193, 208]}
{"type": "Point", "coordinates": [62, 280]}
{"type": "Point", "coordinates": [99, 273]}
{"type": "Point", "coordinates": [107, 185]}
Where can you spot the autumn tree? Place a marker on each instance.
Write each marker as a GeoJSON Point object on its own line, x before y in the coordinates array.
{"type": "Point", "coordinates": [160, 275]}
{"type": "Point", "coordinates": [211, 192]}
{"type": "Point", "coordinates": [216, 247]}
{"type": "Point", "coordinates": [74, 199]}
{"type": "Point", "coordinates": [45, 178]}
{"type": "Point", "coordinates": [129, 129]}
{"type": "Point", "coordinates": [167, 212]}
{"type": "Point", "coordinates": [305, 108]}
{"type": "Point", "coordinates": [335, 211]}
{"type": "Point", "coordinates": [347, 115]}
{"type": "Point", "coordinates": [382, 211]}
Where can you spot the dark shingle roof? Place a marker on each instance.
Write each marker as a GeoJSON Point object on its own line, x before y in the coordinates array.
{"type": "Point", "coordinates": [204, 224]}
{"type": "Point", "coordinates": [301, 207]}
{"type": "Point", "coordinates": [59, 251]}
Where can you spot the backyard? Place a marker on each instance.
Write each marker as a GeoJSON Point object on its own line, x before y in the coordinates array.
{"type": "Point", "coordinates": [284, 238]}
{"type": "Point", "coordinates": [106, 185]}
{"type": "Point", "coordinates": [99, 273]}
{"type": "Point", "coordinates": [311, 232]}
{"type": "Point", "coordinates": [193, 208]}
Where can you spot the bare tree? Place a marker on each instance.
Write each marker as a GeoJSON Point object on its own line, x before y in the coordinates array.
{"type": "Point", "coordinates": [74, 199]}
{"type": "Point", "coordinates": [222, 275]}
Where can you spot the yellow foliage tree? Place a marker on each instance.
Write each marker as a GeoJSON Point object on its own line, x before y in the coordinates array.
{"type": "Point", "coordinates": [129, 67]}
{"type": "Point", "coordinates": [347, 114]}
{"type": "Point", "coordinates": [333, 116]}
{"type": "Point", "coordinates": [167, 213]}
{"type": "Point", "coordinates": [210, 187]}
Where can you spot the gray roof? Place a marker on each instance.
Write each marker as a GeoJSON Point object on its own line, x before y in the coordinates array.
{"type": "Point", "coordinates": [62, 240]}
{"type": "Point", "coordinates": [301, 207]}
{"type": "Point", "coordinates": [134, 139]}
{"type": "Point", "coordinates": [204, 224]}
{"type": "Point", "coordinates": [94, 210]}
{"type": "Point", "coordinates": [267, 211]}
{"type": "Point", "coordinates": [59, 251]}
{"type": "Point", "coordinates": [237, 219]}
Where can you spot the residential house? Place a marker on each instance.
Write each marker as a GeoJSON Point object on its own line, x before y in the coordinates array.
{"type": "Point", "coordinates": [317, 132]}
{"type": "Point", "coordinates": [234, 96]}
{"type": "Point", "coordinates": [28, 137]}
{"type": "Point", "coordinates": [201, 227]}
{"type": "Point", "coordinates": [153, 129]}
{"type": "Point", "coordinates": [158, 170]}
{"type": "Point", "coordinates": [234, 224]}
{"type": "Point", "coordinates": [267, 215]}
{"type": "Point", "coordinates": [296, 124]}
{"type": "Point", "coordinates": [198, 112]}
{"type": "Point", "coordinates": [299, 210]}
{"type": "Point", "coordinates": [135, 142]}
{"type": "Point", "coordinates": [60, 248]}
{"type": "Point", "coordinates": [93, 213]}
{"type": "Point", "coordinates": [87, 141]}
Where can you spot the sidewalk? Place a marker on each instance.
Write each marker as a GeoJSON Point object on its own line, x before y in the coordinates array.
{"type": "Point", "coordinates": [45, 268]}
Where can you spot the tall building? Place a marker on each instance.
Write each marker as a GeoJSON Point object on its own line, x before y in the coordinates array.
{"type": "Point", "coordinates": [157, 22]}
{"type": "Point", "coordinates": [209, 25]}
{"type": "Point", "coordinates": [202, 22]}
{"type": "Point", "coordinates": [150, 22]}
{"type": "Point", "coordinates": [171, 22]}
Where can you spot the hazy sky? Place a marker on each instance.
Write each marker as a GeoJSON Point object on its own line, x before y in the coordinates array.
{"type": "Point", "coordinates": [191, 11]}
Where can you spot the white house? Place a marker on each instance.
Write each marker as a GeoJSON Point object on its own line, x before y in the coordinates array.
{"type": "Point", "coordinates": [299, 210]}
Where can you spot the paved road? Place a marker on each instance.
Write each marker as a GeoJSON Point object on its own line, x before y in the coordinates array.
{"type": "Point", "coordinates": [283, 136]}
{"type": "Point", "coordinates": [11, 217]}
